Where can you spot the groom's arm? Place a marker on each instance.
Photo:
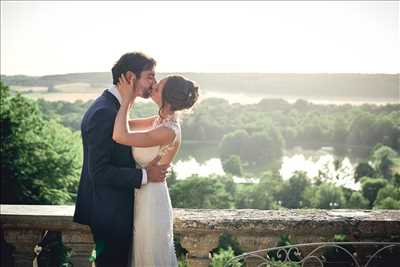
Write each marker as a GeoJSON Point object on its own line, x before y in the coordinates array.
{"type": "Point", "coordinates": [100, 143]}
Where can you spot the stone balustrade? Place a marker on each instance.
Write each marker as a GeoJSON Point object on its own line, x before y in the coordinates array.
{"type": "Point", "coordinates": [200, 229]}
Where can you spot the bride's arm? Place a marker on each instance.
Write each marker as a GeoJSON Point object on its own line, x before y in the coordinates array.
{"type": "Point", "coordinates": [158, 136]}
{"type": "Point", "coordinates": [142, 123]}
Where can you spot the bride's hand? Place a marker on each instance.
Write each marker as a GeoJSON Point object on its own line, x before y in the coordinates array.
{"type": "Point", "coordinates": [127, 88]}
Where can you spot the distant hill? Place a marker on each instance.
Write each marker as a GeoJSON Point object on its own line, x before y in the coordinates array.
{"type": "Point", "coordinates": [324, 85]}
{"type": "Point", "coordinates": [94, 78]}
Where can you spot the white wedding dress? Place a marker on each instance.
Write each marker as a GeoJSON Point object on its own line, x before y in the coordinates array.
{"type": "Point", "coordinates": [153, 242]}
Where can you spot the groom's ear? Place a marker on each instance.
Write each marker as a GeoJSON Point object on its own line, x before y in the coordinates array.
{"type": "Point", "coordinates": [129, 74]}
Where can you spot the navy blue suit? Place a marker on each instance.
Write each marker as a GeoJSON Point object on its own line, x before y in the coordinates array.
{"type": "Point", "coordinates": [106, 188]}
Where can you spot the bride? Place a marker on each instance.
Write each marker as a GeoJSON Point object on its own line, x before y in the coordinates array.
{"type": "Point", "coordinates": [157, 136]}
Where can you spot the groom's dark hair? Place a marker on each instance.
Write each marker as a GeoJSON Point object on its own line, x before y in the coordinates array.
{"type": "Point", "coordinates": [135, 62]}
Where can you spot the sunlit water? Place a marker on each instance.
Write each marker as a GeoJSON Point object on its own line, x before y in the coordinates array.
{"type": "Point", "coordinates": [341, 175]}
{"type": "Point", "coordinates": [187, 168]}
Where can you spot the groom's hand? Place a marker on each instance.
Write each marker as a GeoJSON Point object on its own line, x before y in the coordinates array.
{"type": "Point", "coordinates": [156, 173]}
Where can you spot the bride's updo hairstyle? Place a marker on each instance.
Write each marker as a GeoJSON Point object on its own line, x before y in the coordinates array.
{"type": "Point", "coordinates": [179, 92]}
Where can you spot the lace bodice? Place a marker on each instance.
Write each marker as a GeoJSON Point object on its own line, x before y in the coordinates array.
{"type": "Point", "coordinates": [143, 155]}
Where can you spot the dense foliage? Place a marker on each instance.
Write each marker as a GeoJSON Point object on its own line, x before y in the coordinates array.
{"type": "Point", "coordinates": [40, 159]}
{"type": "Point", "coordinates": [260, 131]}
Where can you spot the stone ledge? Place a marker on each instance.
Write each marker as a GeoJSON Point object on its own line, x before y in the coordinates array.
{"type": "Point", "coordinates": [301, 222]}
{"type": "Point", "coordinates": [200, 229]}
{"type": "Point", "coordinates": [223, 220]}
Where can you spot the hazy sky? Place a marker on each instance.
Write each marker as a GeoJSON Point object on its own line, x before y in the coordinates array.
{"type": "Point", "coordinates": [39, 38]}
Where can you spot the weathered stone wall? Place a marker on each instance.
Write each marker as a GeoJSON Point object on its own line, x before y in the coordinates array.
{"type": "Point", "coordinates": [200, 229]}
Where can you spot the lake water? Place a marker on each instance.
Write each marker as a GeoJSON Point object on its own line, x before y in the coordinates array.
{"type": "Point", "coordinates": [338, 169]}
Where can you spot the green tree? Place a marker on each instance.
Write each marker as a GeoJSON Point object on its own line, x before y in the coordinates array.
{"type": "Point", "coordinates": [233, 165]}
{"type": "Point", "coordinates": [370, 188]}
{"type": "Point", "coordinates": [396, 177]}
{"type": "Point", "coordinates": [363, 169]}
{"type": "Point", "coordinates": [259, 196]}
{"type": "Point", "coordinates": [340, 130]}
{"type": "Point", "coordinates": [328, 196]}
{"type": "Point", "coordinates": [309, 197]}
{"type": "Point", "coordinates": [388, 203]}
{"type": "Point", "coordinates": [357, 201]}
{"type": "Point", "coordinates": [253, 196]}
{"type": "Point", "coordinates": [260, 146]}
{"type": "Point", "coordinates": [233, 143]}
{"type": "Point", "coordinates": [389, 191]}
{"type": "Point", "coordinates": [263, 199]}
{"type": "Point", "coordinates": [40, 160]}
{"type": "Point", "coordinates": [291, 193]}
{"type": "Point", "coordinates": [383, 159]}
{"type": "Point", "coordinates": [359, 130]}
{"type": "Point", "coordinates": [264, 145]}
{"type": "Point", "coordinates": [200, 193]}
{"type": "Point", "coordinates": [244, 197]}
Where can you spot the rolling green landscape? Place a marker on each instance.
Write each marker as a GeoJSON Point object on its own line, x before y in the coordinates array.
{"type": "Point", "coordinates": [250, 142]}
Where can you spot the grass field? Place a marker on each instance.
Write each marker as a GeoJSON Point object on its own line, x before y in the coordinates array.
{"type": "Point", "coordinates": [63, 92]}
{"type": "Point", "coordinates": [26, 89]}
{"type": "Point", "coordinates": [77, 88]}
{"type": "Point", "coordinates": [68, 97]}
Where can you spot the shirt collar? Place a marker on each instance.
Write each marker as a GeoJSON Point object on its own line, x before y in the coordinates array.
{"type": "Point", "coordinates": [114, 91]}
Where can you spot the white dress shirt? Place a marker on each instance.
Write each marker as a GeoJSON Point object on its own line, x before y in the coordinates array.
{"type": "Point", "coordinates": [114, 90]}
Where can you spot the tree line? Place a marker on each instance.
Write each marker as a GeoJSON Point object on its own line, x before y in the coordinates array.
{"type": "Point", "coordinates": [259, 132]}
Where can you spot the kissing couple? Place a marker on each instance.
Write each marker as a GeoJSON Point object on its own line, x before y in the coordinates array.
{"type": "Point", "coordinates": [123, 195]}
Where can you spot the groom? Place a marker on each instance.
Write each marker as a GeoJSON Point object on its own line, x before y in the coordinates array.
{"type": "Point", "coordinates": [106, 189]}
